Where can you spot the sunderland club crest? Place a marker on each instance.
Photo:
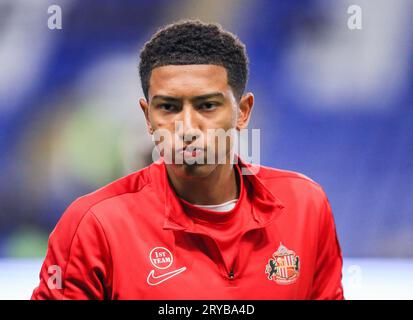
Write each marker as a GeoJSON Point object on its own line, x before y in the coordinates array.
{"type": "Point", "coordinates": [284, 266]}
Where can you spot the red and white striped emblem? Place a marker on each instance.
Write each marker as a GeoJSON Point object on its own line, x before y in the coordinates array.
{"type": "Point", "coordinates": [284, 266]}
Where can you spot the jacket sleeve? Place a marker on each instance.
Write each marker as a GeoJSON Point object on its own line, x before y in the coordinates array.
{"type": "Point", "coordinates": [328, 274]}
{"type": "Point", "coordinates": [78, 262]}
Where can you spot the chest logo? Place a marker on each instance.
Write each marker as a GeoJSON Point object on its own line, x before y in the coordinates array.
{"type": "Point", "coordinates": [284, 266]}
{"type": "Point", "coordinates": [161, 258]}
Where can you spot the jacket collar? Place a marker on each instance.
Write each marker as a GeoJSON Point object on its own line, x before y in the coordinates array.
{"type": "Point", "coordinates": [265, 206]}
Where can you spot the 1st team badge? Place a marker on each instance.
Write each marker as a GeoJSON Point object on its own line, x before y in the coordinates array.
{"type": "Point", "coordinates": [161, 258]}
{"type": "Point", "coordinates": [284, 266]}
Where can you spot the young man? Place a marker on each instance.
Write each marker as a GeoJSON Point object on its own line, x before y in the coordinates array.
{"type": "Point", "coordinates": [203, 229]}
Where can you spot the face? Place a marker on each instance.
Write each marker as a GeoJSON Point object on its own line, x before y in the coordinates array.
{"type": "Point", "coordinates": [193, 108]}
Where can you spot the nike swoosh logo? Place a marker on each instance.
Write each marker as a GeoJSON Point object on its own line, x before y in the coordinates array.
{"type": "Point", "coordinates": [155, 280]}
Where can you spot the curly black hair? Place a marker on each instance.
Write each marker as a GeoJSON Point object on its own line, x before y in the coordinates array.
{"type": "Point", "coordinates": [195, 42]}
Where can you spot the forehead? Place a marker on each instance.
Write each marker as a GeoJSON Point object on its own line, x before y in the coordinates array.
{"type": "Point", "coordinates": [188, 80]}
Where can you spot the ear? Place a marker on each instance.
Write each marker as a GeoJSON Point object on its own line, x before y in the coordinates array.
{"type": "Point", "coordinates": [145, 108]}
{"type": "Point", "coordinates": [245, 107]}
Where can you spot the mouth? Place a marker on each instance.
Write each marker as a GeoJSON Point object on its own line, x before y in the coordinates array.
{"type": "Point", "coordinates": [190, 151]}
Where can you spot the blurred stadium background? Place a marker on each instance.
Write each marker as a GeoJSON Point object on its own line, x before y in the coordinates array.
{"type": "Point", "coordinates": [332, 103]}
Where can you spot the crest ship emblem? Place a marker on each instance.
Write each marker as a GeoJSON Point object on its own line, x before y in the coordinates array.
{"type": "Point", "coordinates": [284, 266]}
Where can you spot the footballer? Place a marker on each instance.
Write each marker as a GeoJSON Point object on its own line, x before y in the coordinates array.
{"type": "Point", "coordinates": [191, 225]}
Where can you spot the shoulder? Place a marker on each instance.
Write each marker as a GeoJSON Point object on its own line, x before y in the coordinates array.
{"type": "Point", "coordinates": [291, 183]}
{"type": "Point", "coordinates": [81, 209]}
{"type": "Point", "coordinates": [304, 200]}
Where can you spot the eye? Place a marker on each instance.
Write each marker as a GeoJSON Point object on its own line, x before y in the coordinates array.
{"type": "Point", "coordinates": [208, 106]}
{"type": "Point", "coordinates": [166, 107]}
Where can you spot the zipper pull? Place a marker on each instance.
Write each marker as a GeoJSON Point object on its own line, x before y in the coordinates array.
{"type": "Point", "coordinates": [231, 274]}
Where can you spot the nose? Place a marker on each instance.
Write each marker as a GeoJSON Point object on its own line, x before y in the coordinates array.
{"type": "Point", "coordinates": [187, 127]}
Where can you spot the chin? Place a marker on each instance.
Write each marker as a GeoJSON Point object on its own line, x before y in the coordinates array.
{"type": "Point", "coordinates": [193, 171]}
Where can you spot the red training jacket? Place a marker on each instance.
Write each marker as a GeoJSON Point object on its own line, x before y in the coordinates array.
{"type": "Point", "coordinates": [133, 240]}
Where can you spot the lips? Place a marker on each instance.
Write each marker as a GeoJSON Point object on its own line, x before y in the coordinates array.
{"type": "Point", "coordinates": [190, 151]}
{"type": "Point", "coordinates": [190, 148]}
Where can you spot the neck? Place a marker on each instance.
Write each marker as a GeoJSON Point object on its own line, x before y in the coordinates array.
{"type": "Point", "coordinates": [219, 186]}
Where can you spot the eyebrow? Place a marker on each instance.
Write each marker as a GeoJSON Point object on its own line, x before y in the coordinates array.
{"type": "Point", "coordinates": [193, 99]}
